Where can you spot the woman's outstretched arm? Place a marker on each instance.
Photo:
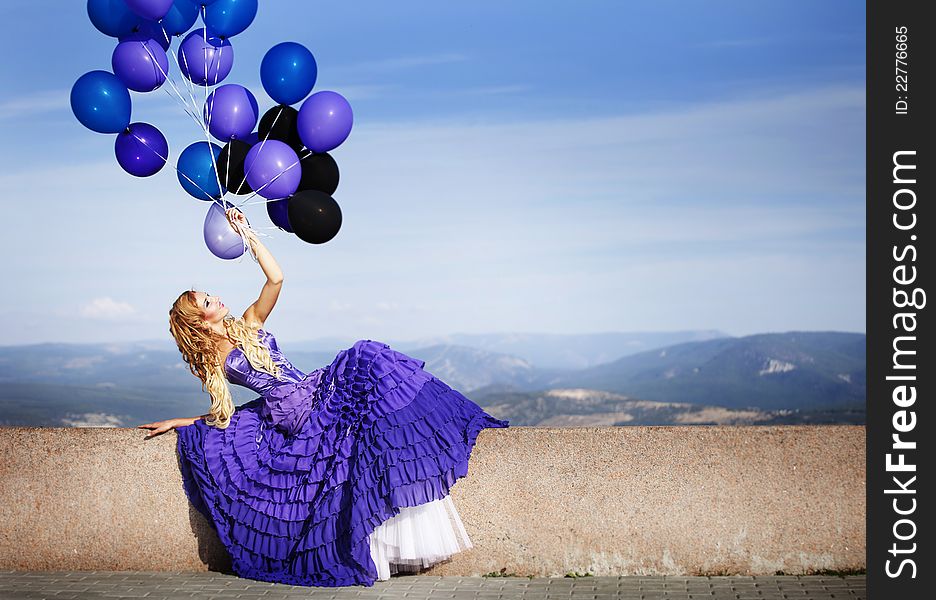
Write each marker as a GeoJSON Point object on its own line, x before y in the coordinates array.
{"type": "Point", "coordinates": [260, 310]}
{"type": "Point", "coordinates": [158, 427]}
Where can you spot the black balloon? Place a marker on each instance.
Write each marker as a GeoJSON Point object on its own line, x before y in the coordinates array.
{"type": "Point", "coordinates": [314, 216]}
{"type": "Point", "coordinates": [280, 124]}
{"type": "Point", "coordinates": [319, 172]}
{"type": "Point", "coordinates": [231, 167]}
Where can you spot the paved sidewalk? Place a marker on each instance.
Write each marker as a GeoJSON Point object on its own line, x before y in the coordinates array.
{"type": "Point", "coordinates": [99, 585]}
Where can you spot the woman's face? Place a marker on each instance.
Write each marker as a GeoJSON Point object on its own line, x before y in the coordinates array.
{"type": "Point", "coordinates": [212, 308]}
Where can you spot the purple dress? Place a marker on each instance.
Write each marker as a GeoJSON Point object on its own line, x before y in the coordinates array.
{"type": "Point", "coordinates": [304, 473]}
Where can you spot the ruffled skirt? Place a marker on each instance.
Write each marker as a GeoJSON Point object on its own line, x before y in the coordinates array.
{"type": "Point", "coordinates": [335, 479]}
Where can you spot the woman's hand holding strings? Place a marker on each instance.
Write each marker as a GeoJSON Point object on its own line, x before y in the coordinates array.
{"type": "Point", "coordinates": [238, 221]}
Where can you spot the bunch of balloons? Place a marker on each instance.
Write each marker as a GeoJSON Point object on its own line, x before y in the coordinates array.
{"type": "Point", "coordinates": [284, 160]}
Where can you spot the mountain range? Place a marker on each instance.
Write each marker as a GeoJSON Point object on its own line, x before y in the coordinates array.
{"type": "Point", "coordinates": [619, 378]}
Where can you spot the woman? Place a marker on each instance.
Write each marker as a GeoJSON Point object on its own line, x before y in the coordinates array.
{"type": "Point", "coordinates": [336, 477]}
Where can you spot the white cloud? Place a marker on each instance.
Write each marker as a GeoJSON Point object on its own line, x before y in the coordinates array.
{"type": "Point", "coordinates": [107, 309]}
{"type": "Point", "coordinates": [36, 102]}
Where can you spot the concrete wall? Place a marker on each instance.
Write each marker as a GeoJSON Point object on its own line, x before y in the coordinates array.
{"type": "Point", "coordinates": [536, 501]}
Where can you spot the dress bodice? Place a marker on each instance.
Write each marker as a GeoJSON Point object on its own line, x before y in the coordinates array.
{"type": "Point", "coordinates": [239, 370]}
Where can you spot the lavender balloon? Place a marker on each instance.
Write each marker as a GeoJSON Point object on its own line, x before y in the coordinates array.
{"type": "Point", "coordinates": [231, 112]}
{"type": "Point", "coordinates": [324, 121]}
{"type": "Point", "coordinates": [205, 61]}
{"type": "Point", "coordinates": [222, 239]}
{"type": "Point", "coordinates": [273, 169]}
{"type": "Point", "coordinates": [141, 149]}
{"type": "Point", "coordinates": [140, 63]}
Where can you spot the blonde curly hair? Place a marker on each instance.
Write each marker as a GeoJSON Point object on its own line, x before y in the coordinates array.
{"type": "Point", "coordinates": [199, 348]}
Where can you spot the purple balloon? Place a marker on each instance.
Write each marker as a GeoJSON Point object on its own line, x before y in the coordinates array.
{"type": "Point", "coordinates": [273, 169]}
{"type": "Point", "coordinates": [324, 121]}
{"type": "Point", "coordinates": [231, 112]}
{"type": "Point", "coordinates": [150, 9]}
{"type": "Point", "coordinates": [205, 61]}
{"type": "Point", "coordinates": [140, 63]}
{"type": "Point", "coordinates": [222, 239]}
{"type": "Point", "coordinates": [141, 149]}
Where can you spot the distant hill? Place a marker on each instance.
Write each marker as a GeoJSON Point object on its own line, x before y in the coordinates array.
{"type": "Point", "coordinates": [795, 370]}
{"type": "Point", "coordinates": [788, 377]}
{"type": "Point", "coordinates": [566, 351]}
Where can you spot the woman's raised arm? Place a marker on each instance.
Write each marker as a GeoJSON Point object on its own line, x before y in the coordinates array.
{"type": "Point", "coordinates": [260, 310]}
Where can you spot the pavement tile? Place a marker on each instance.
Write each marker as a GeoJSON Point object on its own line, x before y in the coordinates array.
{"type": "Point", "coordinates": [103, 585]}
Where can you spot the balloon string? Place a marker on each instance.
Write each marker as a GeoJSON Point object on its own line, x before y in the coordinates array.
{"type": "Point", "coordinates": [204, 10]}
{"type": "Point", "coordinates": [242, 230]}
{"type": "Point", "coordinates": [262, 142]}
{"type": "Point", "coordinates": [185, 105]}
{"type": "Point", "coordinates": [207, 134]}
{"type": "Point", "coordinates": [200, 121]}
{"type": "Point", "coordinates": [197, 120]}
{"type": "Point", "coordinates": [214, 162]}
{"type": "Point", "coordinates": [166, 160]}
{"type": "Point", "coordinates": [189, 84]}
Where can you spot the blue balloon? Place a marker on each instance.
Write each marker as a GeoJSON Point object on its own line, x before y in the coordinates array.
{"type": "Point", "coordinates": [230, 17]}
{"type": "Point", "coordinates": [150, 9]}
{"type": "Point", "coordinates": [196, 171]}
{"type": "Point", "coordinates": [101, 102]}
{"type": "Point", "coordinates": [181, 17]}
{"type": "Point", "coordinates": [112, 17]}
{"type": "Point", "coordinates": [288, 72]}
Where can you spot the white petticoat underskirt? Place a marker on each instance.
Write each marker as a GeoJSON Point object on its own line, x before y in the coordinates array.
{"type": "Point", "coordinates": [417, 537]}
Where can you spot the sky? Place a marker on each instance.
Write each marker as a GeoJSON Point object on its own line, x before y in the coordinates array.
{"type": "Point", "coordinates": [560, 167]}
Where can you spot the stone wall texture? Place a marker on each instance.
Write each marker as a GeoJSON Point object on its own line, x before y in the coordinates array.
{"type": "Point", "coordinates": [536, 501]}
